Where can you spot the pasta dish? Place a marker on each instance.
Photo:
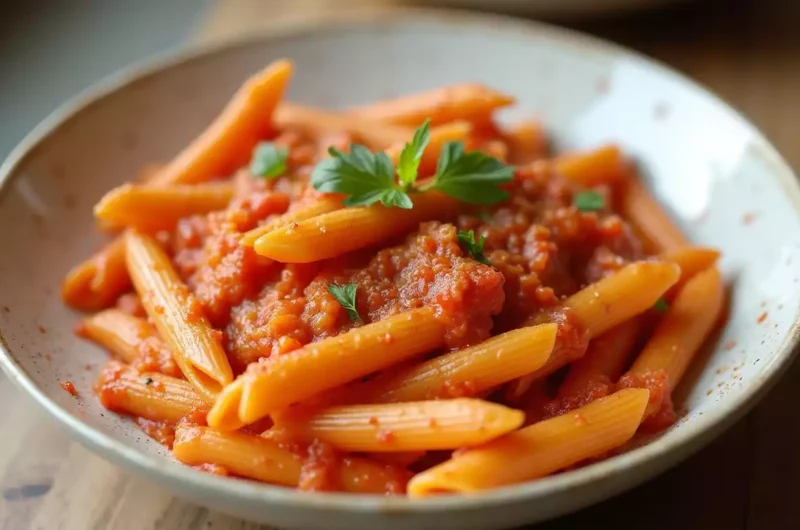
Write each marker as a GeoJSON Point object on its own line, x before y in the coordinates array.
{"type": "Point", "coordinates": [403, 297]}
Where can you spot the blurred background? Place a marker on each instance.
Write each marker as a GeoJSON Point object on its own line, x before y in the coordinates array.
{"type": "Point", "coordinates": [747, 51]}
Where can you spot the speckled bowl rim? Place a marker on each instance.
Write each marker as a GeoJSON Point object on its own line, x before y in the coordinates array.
{"type": "Point", "coordinates": [644, 461]}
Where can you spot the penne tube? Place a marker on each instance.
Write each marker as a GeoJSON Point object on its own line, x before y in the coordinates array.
{"type": "Point", "coordinates": [98, 281]}
{"type": "Point", "coordinates": [654, 225]}
{"type": "Point", "coordinates": [342, 231]}
{"type": "Point", "coordinates": [153, 208]}
{"type": "Point", "coordinates": [374, 134]}
{"type": "Point", "coordinates": [118, 332]}
{"type": "Point", "coordinates": [227, 144]}
{"type": "Point", "coordinates": [256, 458]}
{"type": "Point", "coordinates": [605, 360]}
{"type": "Point", "coordinates": [152, 396]}
{"type": "Point", "coordinates": [280, 381]}
{"type": "Point", "coordinates": [604, 305]}
{"type": "Point", "coordinates": [692, 261]}
{"type": "Point", "coordinates": [177, 316]}
{"type": "Point", "coordinates": [392, 427]}
{"type": "Point", "coordinates": [538, 450]}
{"type": "Point", "coordinates": [601, 166]}
{"type": "Point", "coordinates": [465, 372]}
{"type": "Point", "coordinates": [683, 329]}
{"type": "Point", "coordinates": [467, 101]}
{"type": "Point", "coordinates": [315, 208]}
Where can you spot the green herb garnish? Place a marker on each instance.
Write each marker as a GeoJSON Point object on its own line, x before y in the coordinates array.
{"type": "Point", "coordinates": [346, 296]}
{"type": "Point", "coordinates": [368, 177]}
{"type": "Point", "coordinates": [268, 161]}
{"type": "Point", "coordinates": [475, 248]}
{"type": "Point", "coordinates": [661, 305]}
{"type": "Point", "coordinates": [589, 201]}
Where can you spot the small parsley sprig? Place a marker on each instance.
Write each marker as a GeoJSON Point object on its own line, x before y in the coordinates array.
{"type": "Point", "coordinates": [367, 177]}
{"type": "Point", "coordinates": [268, 160]}
{"type": "Point", "coordinates": [473, 246]}
{"type": "Point", "coordinates": [346, 296]}
{"type": "Point", "coordinates": [661, 306]}
{"type": "Point", "coordinates": [589, 201]}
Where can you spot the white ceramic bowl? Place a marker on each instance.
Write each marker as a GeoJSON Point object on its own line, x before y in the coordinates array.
{"type": "Point", "coordinates": [714, 171]}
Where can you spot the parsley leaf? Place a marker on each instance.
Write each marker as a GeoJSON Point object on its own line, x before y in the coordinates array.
{"type": "Point", "coordinates": [268, 161]}
{"type": "Point", "coordinates": [471, 177]}
{"type": "Point", "coordinates": [475, 248]}
{"type": "Point", "coordinates": [408, 165]}
{"type": "Point", "coordinates": [365, 176]}
{"type": "Point", "coordinates": [661, 305]}
{"type": "Point", "coordinates": [589, 201]}
{"type": "Point", "coordinates": [346, 296]}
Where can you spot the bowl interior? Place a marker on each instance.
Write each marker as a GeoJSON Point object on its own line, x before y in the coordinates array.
{"type": "Point", "coordinates": [713, 171]}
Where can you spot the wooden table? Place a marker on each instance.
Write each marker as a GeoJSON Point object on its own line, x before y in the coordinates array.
{"type": "Point", "coordinates": [749, 53]}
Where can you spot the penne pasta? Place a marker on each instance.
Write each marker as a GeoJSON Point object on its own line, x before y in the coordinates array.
{"type": "Point", "coordinates": [152, 396]}
{"type": "Point", "coordinates": [465, 372]}
{"type": "Point", "coordinates": [526, 143]}
{"type": "Point", "coordinates": [468, 101]}
{"type": "Point", "coordinates": [540, 449]}
{"type": "Point", "coordinates": [684, 328]}
{"type": "Point", "coordinates": [228, 142]}
{"type": "Point", "coordinates": [118, 332]}
{"type": "Point", "coordinates": [316, 208]}
{"type": "Point", "coordinates": [177, 316]}
{"type": "Point", "coordinates": [653, 224]}
{"type": "Point", "coordinates": [254, 457]}
{"type": "Point", "coordinates": [601, 166]}
{"type": "Point", "coordinates": [692, 261]}
{"type": "Point", "coordinates": [151, 208]}
{"type": "Point", "coordinates": [98, 281]}
{"type": "Point", "coordinates": [393, 427]}
{"type": "Point", "coordinates": [273, 385]}
{"type": "Point", "coordinates": [374, 134]}
{"type": "Point", "coordinates": [342, 231]}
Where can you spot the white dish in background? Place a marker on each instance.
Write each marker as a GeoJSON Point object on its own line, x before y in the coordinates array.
{"type": "Point", "coordinates": [720, 178]}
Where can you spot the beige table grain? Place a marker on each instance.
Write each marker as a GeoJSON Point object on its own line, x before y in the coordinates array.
{"type": "Point", "coordinates": [749, 53]}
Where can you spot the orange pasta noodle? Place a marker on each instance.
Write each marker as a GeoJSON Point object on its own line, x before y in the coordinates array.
{"type": "Point", "coordinates": [227, 144]}
{"type": "Point", "coordinates": [604, 305]}
{"type": "Point", "coordinates": [318, 122]}
{"type": "Point", "coordinates": [152, 208]}
{"type": "Point", "coordinates": [177, 316]}
{"type": "Point", "coordinates": [540, 449]}
{"type": "Point", "coordinates": [465, 372]}
{"type": "Point", "coordinates": [152, 396]}
{"type": "Point", "coordinates": [280, 381]}
{"type": "Point", "coordinates": [95, 283]}
{"type": "Point", "coordinates": [652, 223]}
{"type": "Point", "coordinates": [342, 231]}
{"type": "Point", "coordinates": [683, 329]}
{"type": "Point", "coordinates": [118, 332]}
{"type": "Point", "coordinates": [256, 458]}
{"type": "Point", "coordinates": [414, 426]}
{"type": "Point", "coordinates": [223, 147]}
{"type": "Point", "coordinates": [692, 261]}
{"type": "Point", "coordinates": [467, 101]}
{"type": "Point", "coordinates": [600, 166]}
{"type": "Point", "coordinates": [438, 137]}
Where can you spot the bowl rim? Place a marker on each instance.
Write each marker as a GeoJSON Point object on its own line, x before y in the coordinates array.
{"type": "Point", "coordinates": [684, 441]}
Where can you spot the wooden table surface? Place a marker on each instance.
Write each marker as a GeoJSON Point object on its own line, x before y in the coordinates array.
{"type": "Point", "coordinates": [749, 53]}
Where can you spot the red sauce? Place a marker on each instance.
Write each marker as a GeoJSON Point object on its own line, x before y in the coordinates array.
{"type": "Point", "coordinates": [160, 431]}
{"type": "Point", "coordinates": [69, 387]}
{"type": "Point", "coordinates": [320, 470]}
{"type": "Point", "coordinates": [597, 388]}
{"type": "Point", "coordinates": [761, 318]}
{"type": "Point", "coordinates": [660, 399]}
